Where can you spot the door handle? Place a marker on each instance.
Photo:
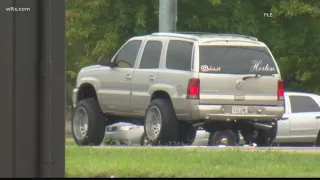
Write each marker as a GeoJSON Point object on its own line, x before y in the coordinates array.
{"type": "Point", "coordinates": [151, 78]}
{"type": "Point", "coordinates": [284, 118]}
{"type": "Point", "coordinates": [317, 117]}
{"type": "Point", "coordinates": [129, 76]}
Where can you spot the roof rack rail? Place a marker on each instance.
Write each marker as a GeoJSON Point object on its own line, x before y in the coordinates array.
{"type": "Point", "coordinates": [192, 34]}
{"type": "Point", "coordinates": [239, 35]}
{"type": "Point", "coordinates": [218, 34]}
{"type": "Point", "coordinates": [174, 34]}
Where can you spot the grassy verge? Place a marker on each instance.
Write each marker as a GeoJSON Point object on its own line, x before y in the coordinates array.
{"type": "Point", "coordinates": [152, 162]}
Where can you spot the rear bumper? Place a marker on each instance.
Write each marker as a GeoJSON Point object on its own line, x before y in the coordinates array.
{"type": "Point", "coordinates": [223, 112]}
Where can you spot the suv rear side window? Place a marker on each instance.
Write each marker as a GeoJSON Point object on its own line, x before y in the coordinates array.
{"type": "Point", "coordinates": [300, 104]}
{"type": "Point", "coordinates": [179, 55]}
{"type": "Point", "coordinates": [128, 54]}
{"type": "Point", "coordinates": [236, 60]}
{"type": "Point", "coordinates": [151, 55]}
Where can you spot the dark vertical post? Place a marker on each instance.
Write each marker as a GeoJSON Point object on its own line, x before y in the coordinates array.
{"type": "Point", "coordinates": [18, 92]}
{"type": "Point", "coordinates": [6, 89]}
{"type": "Point", "coordinates": [25, 97]}
{"type": "Point", "coordinates": [58, 87]}
{"type": "Point", "coordinates": [32, 98]}
{"type": "Point", "coordinates": [52, 92]}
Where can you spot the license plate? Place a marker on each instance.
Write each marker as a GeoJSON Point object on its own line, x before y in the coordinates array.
{"type": "Point", "coordinates": [239, 110]}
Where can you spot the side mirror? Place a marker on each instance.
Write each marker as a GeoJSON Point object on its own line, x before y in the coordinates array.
{"type": "Point", "coordinates": [104, 60]}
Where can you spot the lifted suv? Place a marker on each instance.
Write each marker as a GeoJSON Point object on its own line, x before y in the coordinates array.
{"type": "Point", "coordinates": [174, 82]}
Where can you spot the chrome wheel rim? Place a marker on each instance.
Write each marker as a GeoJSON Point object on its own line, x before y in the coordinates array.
{"type": "Point", "coordinates": [80, 123]}
{"type": "Point", "coordinates": [153, 123]}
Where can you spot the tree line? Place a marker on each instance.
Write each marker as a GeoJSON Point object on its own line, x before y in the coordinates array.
{"type": "Point", "coordinates": [290, 28]}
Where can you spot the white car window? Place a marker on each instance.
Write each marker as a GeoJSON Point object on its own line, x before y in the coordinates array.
{"type": "Point", "coordinates": [301, 104]}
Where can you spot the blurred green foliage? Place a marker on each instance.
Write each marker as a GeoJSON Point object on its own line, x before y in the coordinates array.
{"type": "Point", "coordinates": [292, 33]}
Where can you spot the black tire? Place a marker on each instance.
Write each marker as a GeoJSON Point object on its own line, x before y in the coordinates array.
{"type": "Point", "coordinates": [248, 136]}
{"type": "Point", "coordinates": [96, 123]}
{"type": "Point", "coordinates": [187, 133]}
{"type": "Point", "coordinates": [169, 127]}
{"type": "Point", "coordinates": [216, 137]}
{"type": "Point", "coordinates": [266, 137]}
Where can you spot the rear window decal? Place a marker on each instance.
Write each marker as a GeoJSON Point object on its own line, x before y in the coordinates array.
{"type": "Point", "coordinates": [257, 66]}
{"type": "Point", "coordinates": [206, 68]}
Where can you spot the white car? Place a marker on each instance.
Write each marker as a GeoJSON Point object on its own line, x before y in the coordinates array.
{"type": "Point", "coordinates": [123, 134]}
{"type": "Point", "coordinates": [301, 121]}
{"type": "Point", "coordinates": [130, 134]}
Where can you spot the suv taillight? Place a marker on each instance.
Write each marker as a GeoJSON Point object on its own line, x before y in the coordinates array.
{"type": "Point", "coordinates": [193, 88]}
{"type": "Point", "coordinates": [280, 90]}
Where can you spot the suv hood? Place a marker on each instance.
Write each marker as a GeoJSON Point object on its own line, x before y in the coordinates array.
{"type": "Point", "coordinates": [91, 67]}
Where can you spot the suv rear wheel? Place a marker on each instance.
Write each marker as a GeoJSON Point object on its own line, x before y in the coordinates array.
{"type": "Point", "coordinates": [88, 123]}
{"type": "Point", "coordinates": [266, 137]}
{"type": "Point", "coordinates": [161, 124]}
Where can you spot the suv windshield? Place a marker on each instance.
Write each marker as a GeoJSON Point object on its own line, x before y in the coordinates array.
{"type": "Point", "coordinates": [236, 60]}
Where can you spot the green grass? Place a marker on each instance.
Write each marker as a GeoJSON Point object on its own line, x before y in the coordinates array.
{"type": "Point", "coordinates": [70, 142]}
{"type": "Point", "coordinates": [151, 162]}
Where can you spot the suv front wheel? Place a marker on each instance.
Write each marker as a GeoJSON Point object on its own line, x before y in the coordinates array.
{"type": "Point", "coordinates": [88, 123]}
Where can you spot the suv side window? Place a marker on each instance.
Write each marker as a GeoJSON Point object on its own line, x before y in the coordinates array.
{"type": "Point", "coordinates": [128, 54]}
{"type": "Point", "coordinates": [151, 55]}
{"type": "Point", "coordinates": [179, 55]}
{"type": "Point", "coordinates": [301, 104]}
